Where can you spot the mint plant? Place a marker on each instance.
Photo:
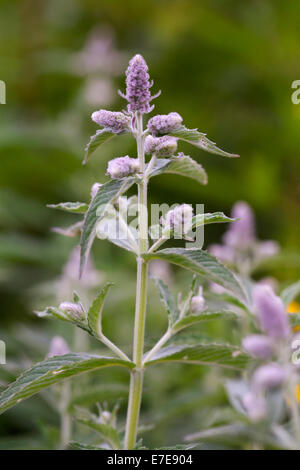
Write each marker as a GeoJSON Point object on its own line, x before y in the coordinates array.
{"type": "Point", "coordinates": [106, 216]}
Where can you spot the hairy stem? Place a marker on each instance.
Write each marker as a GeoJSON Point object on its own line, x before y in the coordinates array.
{"type": "Point", "coordinates": [136, 380]}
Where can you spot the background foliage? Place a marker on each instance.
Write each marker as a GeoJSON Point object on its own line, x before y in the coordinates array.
{"type": "Point", "coordinates": [227, 67]}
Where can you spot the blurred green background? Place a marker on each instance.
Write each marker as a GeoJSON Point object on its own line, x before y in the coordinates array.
{"type": "Point", "coordinates": [225, 66]}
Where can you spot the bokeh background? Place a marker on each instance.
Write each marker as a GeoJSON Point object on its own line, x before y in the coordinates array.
{"type": "Point", "coordinates": [227, 68]}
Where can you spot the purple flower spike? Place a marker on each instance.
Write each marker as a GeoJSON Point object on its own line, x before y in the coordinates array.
{"type": "Point", "coordinates": [255, 406]}
{"type": "Point", "coordinates": [258, 346]}
{"type": "Point", "coordinates": [122, 166]}
{"type": "Point", "coordinates": [164, 123]}
{"type": "Point", "coordinates": [115, 121]}
{"type": "Point", "coordinates": [268, 377]}
{"type": "Point", "coordinates": [271, 312]}
{"type": "Point", "coordinates": [241, 232]}
{"type": "Point", "coordinates": [138, 86]}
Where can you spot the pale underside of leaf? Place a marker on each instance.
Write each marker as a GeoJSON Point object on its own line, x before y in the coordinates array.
{"type": "Point", "coordinates": [107, 194]}
{"type": "Point", "coordinates": [72, 231]}
{"type": "Point", "coordinates": [200, 262]}
{"type": "Point", "coordinates": [202, 354]}
{"type": "Point", "coordinates": [54, 370]}
{"type": "Point", "coordinates": [72, 207]}
{"type": "Point", "coordinates": [210, 218]}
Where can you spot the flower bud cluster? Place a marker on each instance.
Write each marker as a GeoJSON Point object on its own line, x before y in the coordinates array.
{"type": "Point", "coordinates": [122, 166]}
{"type": "Point", "coordinates": [115, 121]}
{"type": "Point", "coordinates": [164, 123]}
{"type": "Point", "coordinates": [161, 146]}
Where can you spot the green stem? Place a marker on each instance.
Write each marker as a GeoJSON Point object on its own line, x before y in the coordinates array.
{"type": "Point", "coordinates": [65, 418]}
{"type": "Point", "coordinates": [158, 345]}
{"type": "Point", "coordinates": [136, 379]}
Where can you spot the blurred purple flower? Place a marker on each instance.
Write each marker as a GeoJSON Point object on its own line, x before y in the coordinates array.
{"type": "Point", "coordinates": [271, 312]}
{"type": "Point", "coordinates": [58, 347]}
{"type": "Point", "coordinates": [258, 346]}
{"type": "Point", "coordinates": [255, 406]}
{"type": "Point", "coordinates": [267, 377]}
{"type": "Point", "coordinates": [241, 232]}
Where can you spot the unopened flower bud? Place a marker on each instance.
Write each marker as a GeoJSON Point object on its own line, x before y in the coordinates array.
{"type": "Point", "coordinates": [115, 121]}
{"type": "Point", "coordinates": [105, 417]}
{"type": "Point", "coordinates": [58, 347]}
{"type": "Point", "coordinates": [255, 406]}
{"type": "Point", "coordinates": [258, 346]}
{"type": "Point", "coordinates": [75, 311]}
{"type": "Point", "coordinates": [162, 146]}
{"type": "Point", "coordinates": [271, 312]}
{"type": "Point", "coordinates": [94, 189]}
{"type": "Point", "coordinates": [122, 166]}
{"type": "Point", "coordinates": [164, 123]}
{"type": "Point", "coordinates": [198, 302]}
{"type": "Point", "coordinates": [179, 219]}
{"type": "Point", "coordinates": [268, 377]}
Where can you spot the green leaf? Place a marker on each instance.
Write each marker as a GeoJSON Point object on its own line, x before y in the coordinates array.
{"type": "Point", "coordinates": [52, 312]}
{"type": "Point", "coordinates": [107, 194]}
{"type": "Point", "coordinates": [167, 299]}
{"type": "Point", "coordinates": [210, 218]}
{"type": "Point", "coordinates": [181, 165]}
{"type": "Point", "coordinates": [294, 319]}
{"type": "Point", "coordinates": [79, 446]}
{"type": "Point", "coordinates": [198, 139]}
{"type": "Point", "coordinates": [94, 315]}
{"type": "Point", "coordinates": [229, 433]}
{"type": "Point", "coordinates": [202, 263]}
{"type": "Point", "coordinates": [101, 136]}
{"type": "Point", "coordinates": [214, 354]}
{"type": "Point", "coordinates": [193, 318]}
{"type": "Point", "coordinates": [54, 370]}
{"type": "Point", "coordinates": [290, 293]}
{"type": "Point", "coordinates": [107, 432]}
{"type": "Point", "coordinates": [73, 207]}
